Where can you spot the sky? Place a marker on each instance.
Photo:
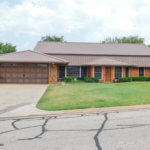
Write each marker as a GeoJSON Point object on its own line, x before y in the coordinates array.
{"type": "Point", "coordinates": [24, 22]}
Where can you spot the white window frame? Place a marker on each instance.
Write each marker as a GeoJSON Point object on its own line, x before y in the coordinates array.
{"type": "Point", "coordinates": [65, 71]}
{"type": "Point", "coordinates": [80, 72]}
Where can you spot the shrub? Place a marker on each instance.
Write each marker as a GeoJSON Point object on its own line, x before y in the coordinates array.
{"type": "Point", "coordinates": [91, 79]}
{"type": "Point", "coordinates": [129, 79]}
{"type": "Point", "coordinates": [126, 79]}
{"type": "Point", "coordinates": [69, 79]}
{"type": "Point", "coordinates": [140, 78]}
{"type": "Point", "coordinates": [80, 78]}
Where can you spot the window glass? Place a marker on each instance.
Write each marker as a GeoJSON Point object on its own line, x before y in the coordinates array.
{"type": "Point", "coordinates": [73, 71]}
{"type": "Point", "coordinates": [17, 64]}
{"type": "Point", "coordinates": [42, 65]}
{"type": "Point", "coordinates": [30, 65]}
{"type": "Point", "coordinates": [83, 71]}
{"type": "Point", "coordinates": [61, 72]}
{"type": "Point", "coordinates": [126, 72]}
{"type": "Point", "coordinates": [118, 72]}
{"type": "Point", "coordinates": [98, 72]}
{"type": "Point", "coordinates": [5, 64]}
{"type": "Point", "coordinates": [141, 71]}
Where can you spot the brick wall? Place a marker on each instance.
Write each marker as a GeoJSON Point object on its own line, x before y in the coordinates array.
{"type": "Point", "coordinates": [147, 71]}
{"type": "Point", "coordinates": [133, 72]}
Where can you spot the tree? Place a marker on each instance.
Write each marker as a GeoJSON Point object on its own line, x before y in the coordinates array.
{"type": "Point", "coordinates": [53, 38]}
{"type": "Point", "coordinates": [7, 48]}
{"type": "Point", "coordinates": [128, 39]}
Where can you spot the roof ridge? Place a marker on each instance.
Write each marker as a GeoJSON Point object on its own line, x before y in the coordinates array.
{"type": "Point", "coordinates": [92, 43]}
{"type": "Point", "coordinates": [14, 52]}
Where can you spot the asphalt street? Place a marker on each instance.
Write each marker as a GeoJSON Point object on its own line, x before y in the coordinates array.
{"type": "Point", "coordinates": [109, 131]}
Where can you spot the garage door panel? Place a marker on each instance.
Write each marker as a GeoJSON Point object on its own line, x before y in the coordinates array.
{"type": "Point", "coordinates": [33, 75]}
{"type": "Point", "coordinates": [24, 73]}
{"type": "Point", "coordinates": [20, 75]}
{"type": "Point", "coordinates": [8, 75]}
{"type": "Point", "coordinates": [20, 80]}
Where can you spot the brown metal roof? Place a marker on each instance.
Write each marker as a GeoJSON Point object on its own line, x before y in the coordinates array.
{"type": "Point", "coordinates": [105, 62]}
{"type": "Point", "coordinates": [92, 48]}
{"type": "Point", "coordinates": [29, 56]}
{"type": "Point", "coordinates": [78, 60]}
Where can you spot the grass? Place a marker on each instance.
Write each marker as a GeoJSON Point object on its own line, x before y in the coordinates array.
{"type": "Point", "coordinates": [93, 95]}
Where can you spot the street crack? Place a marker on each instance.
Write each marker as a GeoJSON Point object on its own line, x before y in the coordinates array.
{"type": "Point", "coordinates": [43, 130]}
{"type": "Point", "coordinates": [99, 131]}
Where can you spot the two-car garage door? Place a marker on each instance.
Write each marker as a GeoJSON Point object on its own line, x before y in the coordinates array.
{"type": "Point", "coordinates": [23, 73]}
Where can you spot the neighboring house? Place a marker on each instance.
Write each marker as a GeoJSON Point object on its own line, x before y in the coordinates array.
{"type": "Point", "coordinates": [52, 61]}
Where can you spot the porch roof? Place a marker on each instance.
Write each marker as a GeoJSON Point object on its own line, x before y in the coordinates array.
{"type": "Point", "coordinates": [105, 62]}
{"type": "Point", "coordinates": [29, 56]}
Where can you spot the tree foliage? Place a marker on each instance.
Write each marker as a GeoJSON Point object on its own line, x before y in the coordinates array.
{"type": "Point", "coordinates": [53, 38]}
{"type": "Point", "coordinates": [128, 39]}
{"type": "Point", "coordinates": [7, 48]}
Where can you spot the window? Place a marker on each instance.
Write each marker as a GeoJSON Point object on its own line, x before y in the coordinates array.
{"type": "Point", "coordinates": [118, 72]}
{"type": "Point", "coordinates": [30, 65]}
{"type": "Point", "coordinates": [5, 64]}
{"type": "Point", "coordinates": [98, 72]}
{"type": "Point", "coordinates": [18, 65]}
{"type": "Point", "coordinates": [141, 71]}
{"type": "Point", "coordinates": [61, 72]}
{"type": "Point", "coordinates": [42, 65]}
{"type": "Point", "coordinates": [126, 72]}
{"type": "Point", "coordinates": [73, 71]}
{"type": "Point", "coordinates": [83, 71]}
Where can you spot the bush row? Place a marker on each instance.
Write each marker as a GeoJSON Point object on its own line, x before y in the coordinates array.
{"type": "Point", "coordinates": [86, 79]}
{"type": "Point", "coordinates": [130, 79]}
{"type": "Point", "coordinates": [90, 79]}
{"type": "Point", "coordinates": [69, 79]}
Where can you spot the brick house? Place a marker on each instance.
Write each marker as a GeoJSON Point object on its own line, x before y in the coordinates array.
{"type": "Point", "coordinates": [52, 61]}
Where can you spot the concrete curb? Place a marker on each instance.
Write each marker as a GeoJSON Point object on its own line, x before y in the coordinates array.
{"type": "Point", "coordinates": [83, 111]}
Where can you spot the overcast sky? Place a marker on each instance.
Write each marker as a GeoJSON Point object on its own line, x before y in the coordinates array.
{"type": "Point", "coordinates": [23, 22]}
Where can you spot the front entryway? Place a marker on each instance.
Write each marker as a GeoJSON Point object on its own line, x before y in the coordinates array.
{"type": "Point", "coordinates": [107, 74]}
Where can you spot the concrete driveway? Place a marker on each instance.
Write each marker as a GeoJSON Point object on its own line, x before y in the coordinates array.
{"type": "Point", "coordinates": [20, 100]}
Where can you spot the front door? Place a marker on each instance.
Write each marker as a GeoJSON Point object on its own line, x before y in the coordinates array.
{"type": "Point", "coordinates": [107, 74]}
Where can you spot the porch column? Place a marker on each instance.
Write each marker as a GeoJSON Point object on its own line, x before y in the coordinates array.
{"type": "Point", "coordinates": [123, 71]}
{"type": "Point", "coordinates": [112, 73]}
{"type": "Point", "coordinates": [92, 71]}
{"type": "Point", "coordinates": [48, 73]}
{"type": "Point", "coordinates": [103, 73]}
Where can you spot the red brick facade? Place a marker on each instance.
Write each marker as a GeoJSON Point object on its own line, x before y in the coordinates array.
{"type": "Point", "coordinates": [133, 72]}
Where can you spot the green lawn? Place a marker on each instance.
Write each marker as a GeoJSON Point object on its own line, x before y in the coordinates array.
{"type": "Point", "coordinates": [88, 95]}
